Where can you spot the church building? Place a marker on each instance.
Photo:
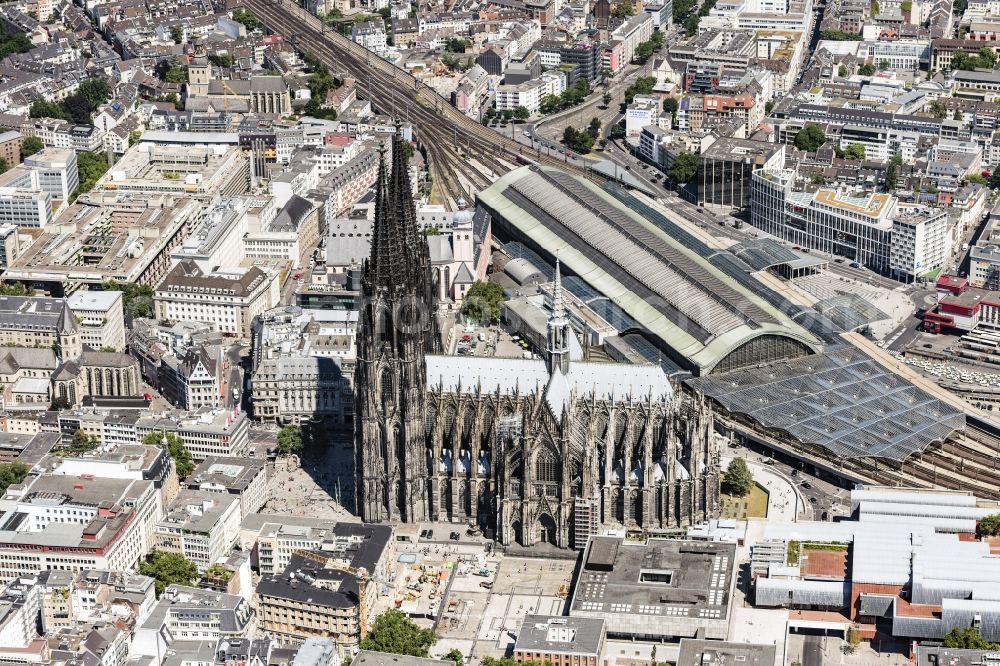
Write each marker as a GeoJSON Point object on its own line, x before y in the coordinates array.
{"type": "Point", "coordinates": [535, 450]}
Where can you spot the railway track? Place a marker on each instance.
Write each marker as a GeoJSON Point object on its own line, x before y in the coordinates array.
{"type": "Point", "coordinates": [451, 140]}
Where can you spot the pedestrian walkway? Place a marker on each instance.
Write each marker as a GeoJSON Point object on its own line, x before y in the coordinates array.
{"type": "Point", "coordinates": [783, 499]}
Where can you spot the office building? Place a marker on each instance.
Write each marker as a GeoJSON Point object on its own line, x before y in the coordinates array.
{"type": "Point", "coordinates": [243, 478]}
{"type": "Point", "coordinates": [186, 614]}
{"type": "Point", "coordinates": [24, 207]}
{"type": "Point", "coordinates": [657, 590]}
{"type": "Point", "coordinates": [200, 525]}
{"type": "Point", "coordinates": [100, 318]}
{"type": "Point", "coordinates": [74, 523]}
{"type": "Point", "coordinates": [58, 173]}
{"type": "Point", "coordinates": [856, 226]}
{"type": "Point", "coordinates": [560, 640]}
{"type": "Point", "coordinates": [326, 593]}
{"type": "Point", "coordinates": [725, 172]}
{"type": "Point", "coordinates": [228, 299]}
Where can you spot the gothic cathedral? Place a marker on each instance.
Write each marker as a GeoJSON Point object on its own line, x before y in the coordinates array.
{"type": "Point", "coordinates": [535, 450]}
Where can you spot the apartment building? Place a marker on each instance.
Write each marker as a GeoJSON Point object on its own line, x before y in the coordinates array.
{"type": "Point", "coordinates": [27, 321]}
{"type": "Point", "coordinates": [920, 243]}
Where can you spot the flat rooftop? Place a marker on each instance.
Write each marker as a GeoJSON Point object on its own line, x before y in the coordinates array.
{"type": "Point", "coordinates": [231, 473]}
{"type": "Point", "coordinates": [117, 237]}
{"type": "Point", "coordinates": [695, 652]}
{"type": "Point", "coordinates": [567, 635]}
{"type": "Point", "coordinates": [662, 587]}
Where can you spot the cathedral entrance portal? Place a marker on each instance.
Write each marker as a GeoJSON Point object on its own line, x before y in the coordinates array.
{"type": "Point", "coordinates": [548, 532]}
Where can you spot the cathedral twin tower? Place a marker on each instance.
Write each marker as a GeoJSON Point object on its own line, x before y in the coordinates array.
{"type": "Point", "coordinates": [533, 450]}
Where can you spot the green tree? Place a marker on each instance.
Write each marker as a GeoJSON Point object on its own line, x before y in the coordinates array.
{"type": "Point", "coordinates": [81, 443]}
{"type": "Point", "coordinates": [842, 71]}
{"type": "Point", "coordinates": [522, 113]}
{"type": "Point", "coordinates": [133, 137]}
{"type": "Point", "coordinates": [42, 108]}
{"type": "Point", "coordinates": [137, 299]}
{"type": "Point", "coordinates": [875, 8]}
{"type": "Point", "coordinates": [168, 569]}
{"type": "Point", "coordinates": [177, 34]}
{"type": "Point", "coordinates": [883, 65]}
{"type": "Point", "coordinates": [853, 639]}
{"type": "Point", "coordinates": [642, 52]}
{"type": "Point", "coordinates": [691, 25]}
{"type": "Point", "coordinates": [578, 141]}
{"type": "Point", "coordinates": [31, 145]}
{"type": "Point", "coordinates": [482, 302]}
{"type": "Point", "coordinates": [247, 18]}
{"type": "Point", "coordinates": [290, 440]}
{"type": "Point", "coordinates": [683, 169]}
{"type": "Point", "coordinates": [989, 525]}
{"type": "Point", "coordinates": [617, 130]}
{"type": "Point", "coordinates": [938, 109]}
{"type": "Point", "coordinates": [221, 59]}
{"type": "Point", "coordinates": [91, 167]}
{"type": "Point", "coordinates": [594, 129]}
{"type": "Point", "coordinates": [606, 99]}
{"type": "Point", "coordinates": [623, 10]}
{"type": "Point", "coordinates": [656, 39]}
{"type": "Point", "coordinates": [967, 639]}
{"type": "Point", "coordinates": [395, 633]}
{"type": "Point", "coordinates": [892, 172]}
{"type": "Point", "coordinates": [810, 138]}
{"type": "Point", "coordinates": [976, 178]}
{"type": "Point", "coordinates": [16, 43]}
{"type": "Point", "coordinates": [457, 45]}
{"type": "Point", "coordinates": [866, 69]}
{"type": "Point", "coordinates": [550, 104]}
{"type": "Point", "coordinates": [738, 480]}
{"type": "Point", "coordinates": [995, 178]}
{"type": "Point", "coordinates": [177, 74]}
{"type": "Point", "coordinates": [175, 447]}
{"type": "Point", "coordinates": [958, 115]}
{"type": "Point", "coordinates": [11, 474]}
{"type": "Point", "coordinates": [642, 86]}
{"type": "Point", "coordinates": [839, 36]}
{"type": "Point", "coordinates": [855, 152]}
{"type": "Point", "coordinates": [15, 289]}
{"type": "Point", "coordinates": [456, 656]}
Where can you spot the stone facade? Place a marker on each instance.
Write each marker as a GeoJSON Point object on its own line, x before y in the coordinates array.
{"type": "Point", "coordinates": [513, 445]}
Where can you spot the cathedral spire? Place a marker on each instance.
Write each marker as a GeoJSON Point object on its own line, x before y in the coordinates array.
{"type": "Point", "coordinates": [388, 252]}
{"type": "Point", "coordinates": [558, 329]}
{"type": "Point", "coordinates": [558, 307]}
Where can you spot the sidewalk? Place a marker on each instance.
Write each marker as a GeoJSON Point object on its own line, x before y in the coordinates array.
{"type": "Point", "coordinates": [784, 502]}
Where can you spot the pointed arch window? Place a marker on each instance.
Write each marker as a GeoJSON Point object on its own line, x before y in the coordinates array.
{"type": "Point", "coordinates": [546, 467]}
